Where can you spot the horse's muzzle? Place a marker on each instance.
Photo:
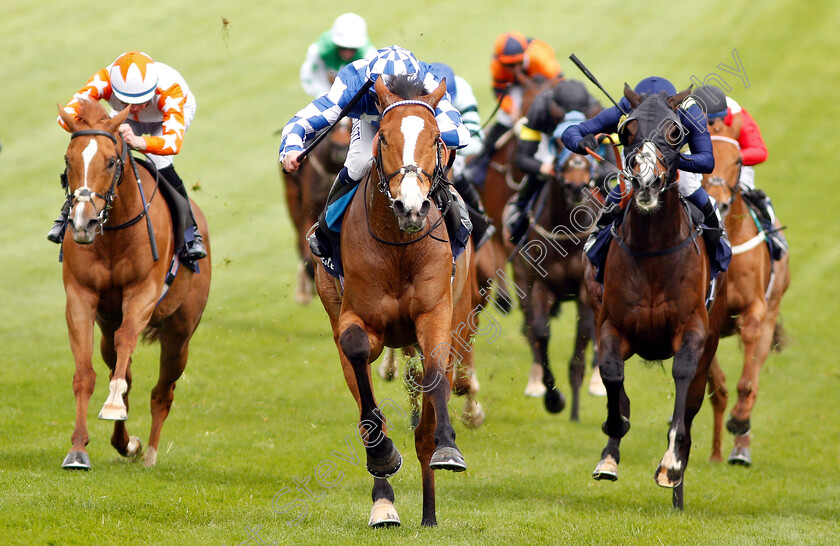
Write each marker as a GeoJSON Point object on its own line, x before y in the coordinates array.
{"type": "Point", "coordinates": [411, 219]}
{"type": "Point", "coordinates": [84, 225]}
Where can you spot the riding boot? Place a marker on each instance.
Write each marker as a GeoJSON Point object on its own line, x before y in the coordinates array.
{"type": "Point", "coordinates": [482, 225]}
{"type": "Point", "coordinates": [319, 243]}
{"type": "Point", "coordinates": [476, 171]}
{"type": "Point", "coordinates": [193, 241]}
{"type": "Point", "coordinates": [517, 220]}
{"type": "Point", "coordinates": [714, 231]}
{"type": "Point", "coordinates": [56, 234]}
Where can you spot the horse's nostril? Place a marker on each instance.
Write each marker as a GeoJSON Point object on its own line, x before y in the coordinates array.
{"type": "Point", "coordinates": [399, 207]}
{"type": "Point", "coordinates": [92, 223]}
{"type": "Point", "coordinates": [425, 207]}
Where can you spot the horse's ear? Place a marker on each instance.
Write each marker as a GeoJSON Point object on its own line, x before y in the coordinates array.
{"type": "Point", "coordinates": [634, 98]}
{"type": "Point", "coordinates": [386, 97]}
{"type": "Point", "coordinates": [116, 121]}
{"type": "Point", "coordinates": [68, 118]}
{"type": "Point", "coordinates": [675, 100]}
{"type": "Point", "coordinates": [435, 96]}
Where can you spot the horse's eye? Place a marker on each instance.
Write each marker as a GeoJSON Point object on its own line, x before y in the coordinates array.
{"type": "Point", "coordinates": [111, 162]}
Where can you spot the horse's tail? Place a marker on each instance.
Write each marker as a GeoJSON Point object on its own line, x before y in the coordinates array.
{"type": "Point", "coordinates": [780, 337]}
{"type": "Point", "coordinates": [151, 334]}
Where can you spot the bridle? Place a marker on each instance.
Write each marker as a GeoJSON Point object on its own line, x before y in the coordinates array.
{"type": "Point", "coordinates": [437, 176]}
{"type": "Point", "coordinates": [734, 189]}
{"type": "Point", "coordinates": [85, 195]}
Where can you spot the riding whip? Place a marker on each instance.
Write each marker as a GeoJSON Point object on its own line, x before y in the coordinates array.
{"type": "Point", "coordinates": [594, 80]}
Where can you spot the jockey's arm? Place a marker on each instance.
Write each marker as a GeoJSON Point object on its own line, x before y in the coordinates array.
{"type": "Point", "coordinates": [702, 159]}
{"type": "Point", "coordinates": [604, 122]}
{"type": "Point", "coordinates": [753, 149]}
{"type": "Point", "coordinates": [526, 150]}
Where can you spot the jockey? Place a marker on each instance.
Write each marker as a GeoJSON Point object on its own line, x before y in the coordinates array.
{"type": "Point", "coordinates": [700, 160]}
{"type": "Point", "coordinates": [721, 112]}
{"type": "Point", "coordinates": [345, 42]}
{"type": "Point", "coordinates": [323, 111]}
{"type": "Point", "coordinates": [161, 106]}
{"type": "Point", "coordinates": [515, 58]}
{"type": "Point", "coordinates": [534, 154]}
{"type": "Point", "coordinates": [463, 99]}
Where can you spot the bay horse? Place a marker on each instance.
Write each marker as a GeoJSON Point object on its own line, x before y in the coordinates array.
{"type": "Point", "coordinates": [401, 287]}
{"type": "Point", "coordinates": [307, 190]}
{"type": "Point", "coordinates": [652, 302]}
{"type": "Point", "coordinates": [552, 273]}
{"type": "Point", "coordinates": [112, 279]}
{"type": "Point", "coordinates": [756, 284]}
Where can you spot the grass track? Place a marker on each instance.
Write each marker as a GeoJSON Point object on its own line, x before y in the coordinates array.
{"type": "Point", "coordinates": [262, 402]}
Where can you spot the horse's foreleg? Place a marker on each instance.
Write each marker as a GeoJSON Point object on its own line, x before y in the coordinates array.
{"type": "Point", "coordinates": [127, 446]}
{"type": "Point", "coordinates": [383, 513]}
{"type": "Point", "coordinates": [138, 304]}
{"type": "Point", "coordinates": [466, 382]}
{"type": "Point", "coordinates": [354, 343]}
{"type": "Point", "coordinates": [671, 467]}
{"type": "Point", "coordinates": [80, 311]}
{"type": "Point", "coordinates": [618, 405]}
{"type": "Point", "coordinates": [719, 397]}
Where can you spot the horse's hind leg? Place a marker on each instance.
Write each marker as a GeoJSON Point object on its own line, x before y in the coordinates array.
{"type": "Point", "coordinates": [127, 446]}
{"type": "Point", "coordinates": [174, 348]}
{"type": "Point", "coordinates": [719, 397]}
{"type": "Point", "coordinates": [577, 366]}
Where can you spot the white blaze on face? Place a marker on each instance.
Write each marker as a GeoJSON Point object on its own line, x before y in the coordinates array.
{"type": "Point", "coordinates": [646, 163]}
{"type": "Point", "coordinates": [87, 156]}
{"type": "Point", "coordinates": [410, 193]}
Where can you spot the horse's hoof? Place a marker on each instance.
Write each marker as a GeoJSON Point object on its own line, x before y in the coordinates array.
{"type": "Point", "coordinates": [625, 421]}
{"type": "Point", "coordinates": [596, 384]}
{"type": "Point", "coordinates": [738, 427]}
{"type": "Point", "coordinates": [535, 387]}
{"type": "Point", "coordinates": [112, 412]}
{"type": "Point", "coordinates": [474, 418]}
{"type": "Point", "coordinates": [387, 466]}
{"type": "Point", "coordinates": [76, 460]}
{"type": "Point", "coordinates": [150, 458]}
{"type": "Point", "coordinates": [667, 477]}
{"type": "Point", "coordinates": [383, 514]}
{"type": "Point", "coordinates": [740, 455]}
{"type": "Point", "coordinates": [448, 458]}
{"type": "Point", "coordinates": [554, 401]}
{"type": "Point", "coordinates": [607, 469]}
{"type": "Point", "coordinates": [134, 449]}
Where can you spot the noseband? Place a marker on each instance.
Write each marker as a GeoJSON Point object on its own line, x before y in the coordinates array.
{"type": "Point", "coordinates": [85, 195]}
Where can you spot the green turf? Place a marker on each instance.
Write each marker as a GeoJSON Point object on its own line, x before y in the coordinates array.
{"type": "Point", "coordinates": [263, 401]}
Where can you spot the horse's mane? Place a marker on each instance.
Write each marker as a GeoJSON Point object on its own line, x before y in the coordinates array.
{"type": "Point", "coordinates": [91, 111]}
{"type": "Point", "coordinates": [407, 86]}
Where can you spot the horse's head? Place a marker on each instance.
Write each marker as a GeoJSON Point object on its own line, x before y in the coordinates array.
{"type": "Point", "coordinates": [94, 164]}
{"type": "Point", "coordinates": [652, 135]}
{"type": "Point", "coordinates": [408, 149]}
{"type": "Point", "coordinates": [575, 176]}
{"type": "Point", "coordinates": [722, 182]}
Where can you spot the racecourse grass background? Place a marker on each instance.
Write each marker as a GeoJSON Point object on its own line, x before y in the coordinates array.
{"type": "Point", "coordinates": [263, 401]}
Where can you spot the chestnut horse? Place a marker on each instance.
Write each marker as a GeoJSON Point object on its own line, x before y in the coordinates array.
{"type": "Point", "coordinates": [550, 269]}
{"type": "Point", "coordinates": [112, 279]}
{"type": "Point", "coordinates": [756, 285]}
{"type": "Point", "coordinates": [306, 196]}
{"type": "Point", "coordinates": [652, 302]}
{"type": "Point", "coordinates": [401, 288]}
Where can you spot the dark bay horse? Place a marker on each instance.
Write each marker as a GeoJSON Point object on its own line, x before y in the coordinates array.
{"type": "Point", "coordinates": [550, 269]}
{"type": "Point", "coordinates": [503, 180]}
{"type": "Point", "coordinates": [111, 279]}
{"type": "Point", "coordinates": [306, 195]}
{"type": "Point", "coordinates": [401, 289]}
{"type": "Point", "coordinates": [652, 302]}
{"type": "Point", "coordinates": [755, 287]}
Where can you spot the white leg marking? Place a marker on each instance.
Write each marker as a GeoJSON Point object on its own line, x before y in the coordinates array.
{"type": "Point", "coordinates": [670, 459]}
